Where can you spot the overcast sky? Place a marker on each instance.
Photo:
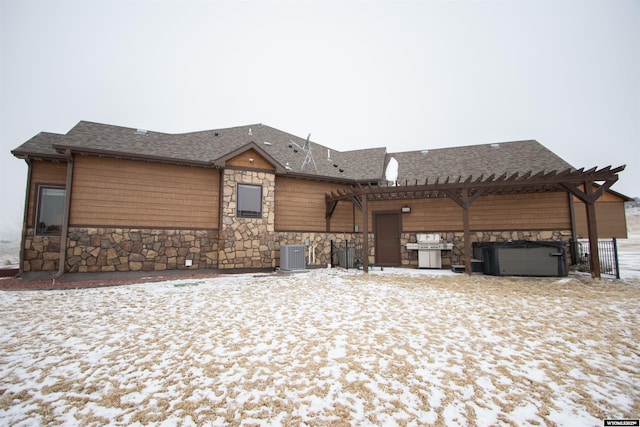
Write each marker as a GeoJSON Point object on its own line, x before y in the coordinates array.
{"type": "Point", "coordinates": [354, 74]}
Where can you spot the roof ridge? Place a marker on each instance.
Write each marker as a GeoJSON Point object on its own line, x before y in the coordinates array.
{"type": "Point", "coordinates": [467, 146]}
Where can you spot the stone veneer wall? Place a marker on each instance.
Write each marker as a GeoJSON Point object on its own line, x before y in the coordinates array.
{"type": "Point", "coordinates": [119, 249]}
{"type": "Point", "coordinates": [122, 249]}
{"type": "Point", "coordinates": [247, 242]}
{"type": "Point", "coordinates": [41, 253]}
{"type": "Point", "coordinates": [129, 249]}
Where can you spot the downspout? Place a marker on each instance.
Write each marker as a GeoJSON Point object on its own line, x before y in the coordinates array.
{"type": "Point", "coordinates": [65, 215]}
{"type": "Point", "coordinates": [221, 240]}
{"type": "Point", "coordinates": [25, 214]}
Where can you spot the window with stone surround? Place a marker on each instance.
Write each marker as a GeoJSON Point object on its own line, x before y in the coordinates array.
{"type": "Point", "coordinates": [249, 201]}
{"type": "Point", "coordinates": [50, 210]}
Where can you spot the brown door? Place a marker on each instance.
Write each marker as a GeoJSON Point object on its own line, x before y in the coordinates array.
{"type": "Point", "coordinates": [387, 238]}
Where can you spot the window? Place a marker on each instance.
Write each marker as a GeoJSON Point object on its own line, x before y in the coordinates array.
{"type": "Point", "coordinates": [50, 209]}
{"type": "Point", "coordinates": [249, 201]}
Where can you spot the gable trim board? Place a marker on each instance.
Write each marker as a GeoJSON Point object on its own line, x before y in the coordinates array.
{"type": "Point", "coordinates": [127, 186]}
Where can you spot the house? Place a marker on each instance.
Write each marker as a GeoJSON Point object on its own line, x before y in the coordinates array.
{"type": "Point", "coordinates": [131, 199]}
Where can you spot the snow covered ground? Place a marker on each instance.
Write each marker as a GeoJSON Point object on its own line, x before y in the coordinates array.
{"type": "Point", "coordinates": [324, 347]}
{"type": "Point", "coordinates": [9, 248]}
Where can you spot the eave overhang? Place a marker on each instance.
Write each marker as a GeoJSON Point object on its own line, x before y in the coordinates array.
{"type": "Point", "coordinates": [133, 156]}
{"type": "Point", "coordinates": [33, 155]}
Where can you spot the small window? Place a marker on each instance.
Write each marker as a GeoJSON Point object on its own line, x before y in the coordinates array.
{"type": "Point", "coordinates": [249, 201]}
{"type": "Point", "coordinates": [50, 211]}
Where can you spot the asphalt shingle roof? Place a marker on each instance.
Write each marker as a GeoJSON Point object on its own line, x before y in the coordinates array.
{"type": "Point", "coordinates": [476, 160]}
{"type": "Point", "coordinates": [40, 145]}
{"type": "Point", "coordinates": [207, 147]}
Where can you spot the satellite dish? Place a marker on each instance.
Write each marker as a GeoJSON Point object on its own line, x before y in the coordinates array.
{"type": "Point", "coordinates": [391, 173]}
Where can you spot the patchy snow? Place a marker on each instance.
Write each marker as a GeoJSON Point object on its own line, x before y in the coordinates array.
{"type": "Point", "coordinates": [629, 257]}
{"type": "Point", "coordinates": [325, 347]}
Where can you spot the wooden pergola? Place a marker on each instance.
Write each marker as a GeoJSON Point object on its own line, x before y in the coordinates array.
{"type": "Point", "coordinates": [587, 185]}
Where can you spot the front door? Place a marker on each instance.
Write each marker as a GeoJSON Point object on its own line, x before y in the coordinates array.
{"type": "Point", "coordinates": [387, 238]}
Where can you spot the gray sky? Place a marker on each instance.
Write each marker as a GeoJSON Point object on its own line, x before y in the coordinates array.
{"type": "Point", "coordinates": [354, 74]}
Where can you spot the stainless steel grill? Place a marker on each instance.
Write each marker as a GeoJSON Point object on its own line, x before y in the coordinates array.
{"type": "Point", "coordinates": [429, 247]}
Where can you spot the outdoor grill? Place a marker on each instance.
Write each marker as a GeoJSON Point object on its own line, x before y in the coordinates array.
{"type": "Point", "coordinates": [429, 247]}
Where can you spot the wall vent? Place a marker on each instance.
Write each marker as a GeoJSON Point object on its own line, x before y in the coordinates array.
{"type": "Point", "coordinates": [292, 257]}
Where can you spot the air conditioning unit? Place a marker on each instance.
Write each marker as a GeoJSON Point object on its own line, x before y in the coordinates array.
{"type": "Point", "coordinates": [292, 257]}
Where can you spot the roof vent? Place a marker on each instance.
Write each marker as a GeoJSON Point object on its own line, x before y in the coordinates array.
{"type": "Point", "coordinates": [267, 143]}
{"type": "Point", "coordinates": [424, 152]}
{"type": "Point", "coordinates": [287, 166]}
{"type": "Point", "coordinates": [495, 145]}
{"type": "Point", "coordinates": [141, 131]}
{"type": "Point", "coordinates": [250, 133]}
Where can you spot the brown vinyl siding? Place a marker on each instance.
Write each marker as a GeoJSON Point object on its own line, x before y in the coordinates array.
{"type": "Point", "coordinates": [539, 211]}
{"type": "Point", "coordinates": [342, 219]}
{"type": "Point", "coordinates": [128, 193]}
{"type": "Point", "coordinates": [536, 211]}
{"type": "Point", "coordinates": [300, 206]}
{"type": "Point", "coordinates": [244, 161]}
{"type": "Point", "coordinates": [426, 214]}
{"type": "Point", "coordinates": [44, 173]}
{"type": "Point", "coordinates": [610, 217]}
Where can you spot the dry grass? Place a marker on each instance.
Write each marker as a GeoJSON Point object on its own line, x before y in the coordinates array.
{"type": "Point", "coordinates": [323, 349]}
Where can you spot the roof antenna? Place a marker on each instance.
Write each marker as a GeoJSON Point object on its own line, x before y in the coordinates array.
{"type": "Point", "coordinates": [307, 149]}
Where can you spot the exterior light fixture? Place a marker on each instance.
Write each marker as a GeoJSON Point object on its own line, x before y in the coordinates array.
{"type": "Point", "coordinates": [405, 209]}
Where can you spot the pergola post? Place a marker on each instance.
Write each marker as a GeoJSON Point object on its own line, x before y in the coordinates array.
{"type": "Point", "coordinates": [365, 236]}
{"type": "Point", "coordinates": [594, 251]}
{"type": "Point", "coordinates": [464, 200]}
{"type": "Point", "coordinates": [466, 233]}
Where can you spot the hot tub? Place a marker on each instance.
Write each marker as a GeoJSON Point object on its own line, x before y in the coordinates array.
{"type": "Point", "coordinates": [522, 258]}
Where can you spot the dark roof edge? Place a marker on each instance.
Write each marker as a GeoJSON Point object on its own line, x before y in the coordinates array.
{"type": "Point", "coordinates": [20, 154]}
{"type": "Point", "coordinates": [131, 156]}
{"type": "Point", "coordinates": [326, 178]}
{"type": "Point", "coordinates": [467, 146]}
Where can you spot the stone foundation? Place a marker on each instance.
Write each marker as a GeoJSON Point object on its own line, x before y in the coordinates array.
{"type": "Point", "coordinates": [245, 244]}
{"type": "Point", "coordinates": [41, 253]}
{"type": "Point", "coordinates": [118, 249]}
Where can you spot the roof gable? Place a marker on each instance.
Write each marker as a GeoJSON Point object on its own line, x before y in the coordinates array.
{"type": "Point", "coordinates": [251, 156]}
